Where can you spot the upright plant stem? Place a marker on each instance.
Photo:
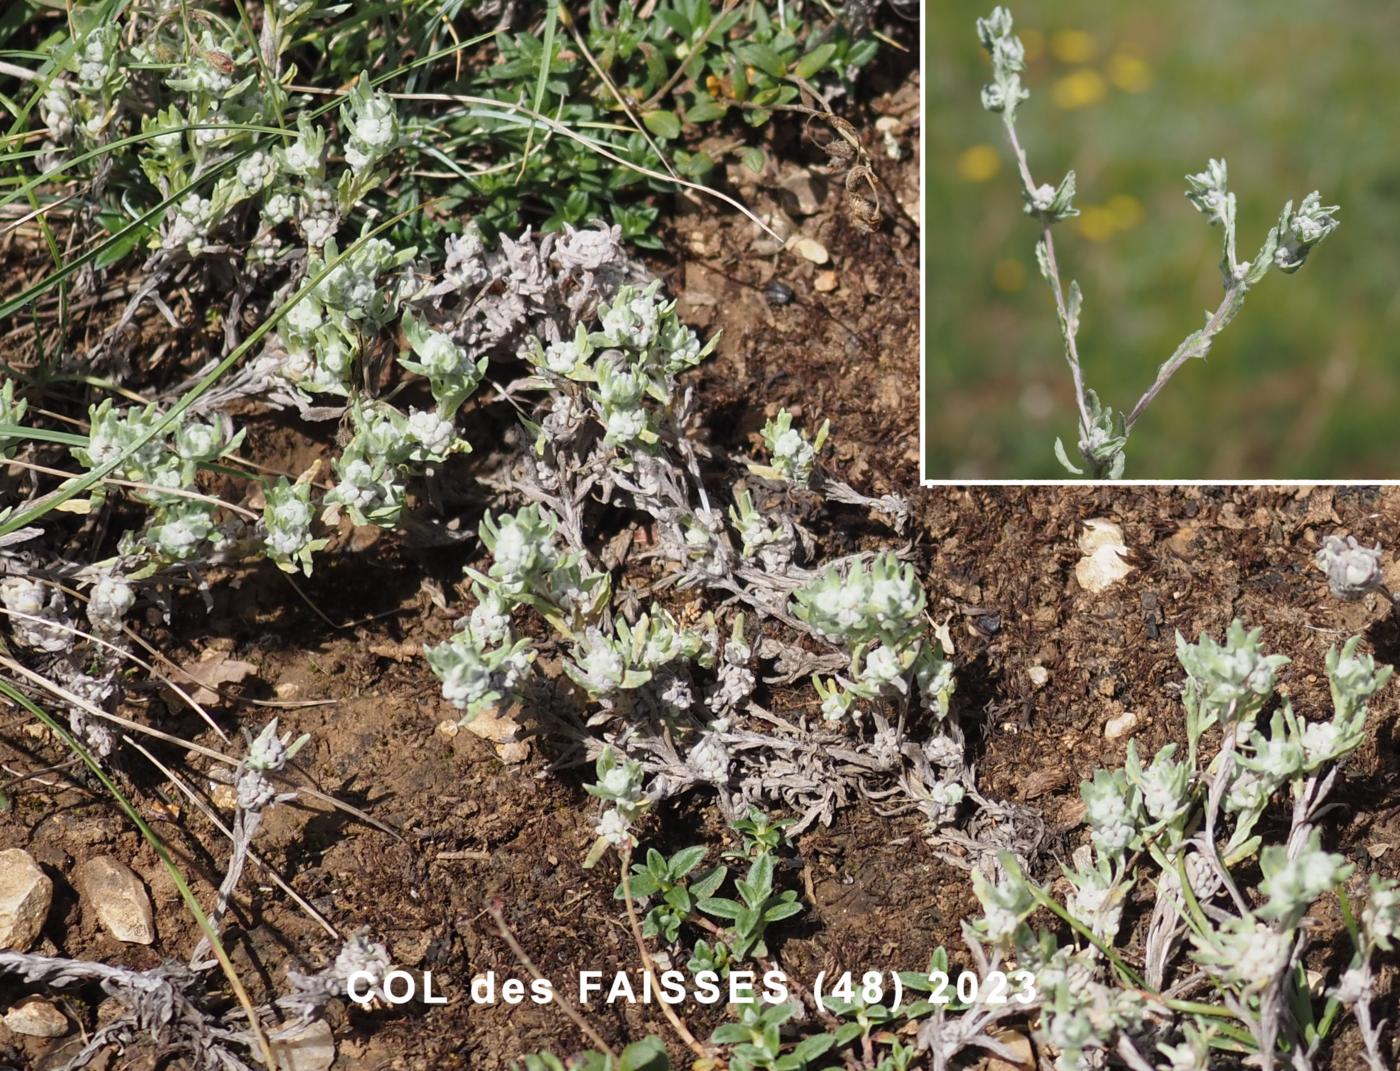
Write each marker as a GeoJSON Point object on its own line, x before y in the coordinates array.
{"type": "Point", "coordinates": [1071, 348]}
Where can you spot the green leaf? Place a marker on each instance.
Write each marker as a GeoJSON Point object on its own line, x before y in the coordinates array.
{"type": "Point", "coordinates": [705, 885]}
{"type": "Point", "coordinates": [1063, 458]}
{"type": "Point", "coordinates": [662, 123]}
{"type": "Point", "coordinates": [643, 884]}
{"type": "Point", "coordinates": [678, 897]}
{"type": "Point", "coordinates": [753, 158]}
{"type": "Point", "coordinates": [811, 1047]}
{"type": "Point", "coordinates": [686, 860]}
{"type": "Point", "coordinates": [1073, 307]}
{"type": "Point", "coordinates": [782, 910]}
{"type": "Point", "coordinates": [649, 1054]}
{"type": "Point", "coordinates": [675, 21]}
{"type": "Point", "coordinates": [705, 110]}
{"type": "Point", "coordinates": [730, 1034]}
{"type": "Point", "coordinates": [720, 907]}
{"type": "Point", "coordinates": [656, 864]}
{"type": "Point", "coordinates": [694, 165]}
{"type": "Point", "coordinates": [815, 62]}
{"type": "Point", "coordinates": [758, 886]}
{"type": "Point", "coordinates": [764, 58]}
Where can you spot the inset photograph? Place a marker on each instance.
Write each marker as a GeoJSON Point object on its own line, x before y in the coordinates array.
{"type": "Point", "coordinates": [1152, 242]}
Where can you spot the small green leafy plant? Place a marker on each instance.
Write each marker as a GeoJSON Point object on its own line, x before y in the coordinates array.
{"type": "Point", "coordinates": [757, 908]}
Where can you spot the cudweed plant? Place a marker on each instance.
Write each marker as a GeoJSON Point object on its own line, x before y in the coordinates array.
{"type": "Point", "coordinates": [1104, 431]}
{"type": "Point", "coordinates": [194, 144]}
{"type": "Point", "coordinates": [875, 610]}
{"type": "Point", "coordinates": [1185, 825]}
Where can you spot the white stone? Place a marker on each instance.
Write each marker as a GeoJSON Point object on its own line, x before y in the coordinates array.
{"type": "Point", "coordinates": [1103, 564]}
{"type": "Point", "coordinates": [1038, 675]}
{"type": "Point", "coordinates": [36, 1018]}
{"type": "Point", "coordinates": [25, 895]}
{"type": "Point", "coordinates": [119, 899]}
{"type": "Point", "coordinates": [310, 1049]}
{"type": "Point", "coordinates": [808, 249]}
{"type": "Point", "coordinates": [1120, 726]}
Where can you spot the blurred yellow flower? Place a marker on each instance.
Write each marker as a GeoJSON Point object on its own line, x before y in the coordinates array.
{"type": "Point", "coordinates": [1009, 276]}
{"type": "Point", "coordinates": [1099, 223]}
{"type": "Point", "coordinates": [1095, 222]}
{"type": "Point", "coordinates": [1125, 210]}
{"type": "Point", "coordinates": [1079, 89]}
{"type": "Point", "coordinates": [1129, 73]}
{"type": "Point", "coordinates": [1033, 41]}
{"type": "Point", "coordinates": [1073, 46]}
{"type": "Point", "coordinates": [979, 163]}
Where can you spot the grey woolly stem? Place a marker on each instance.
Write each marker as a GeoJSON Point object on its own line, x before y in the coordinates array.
{"type": "Point", "coordinates": [1056, 286]}
{"type": "Point", "coordinates": [245, 826]}
{"type": "Point", "coordinates": [1274, 1015]}
{"type": "Point", "coordinates": [1196, 345]}
{"type": "Point", "coordinates": [218, 824]}
{"type": "Point", "coordinates": [1370, 1030]}
{"type": "Point", "coordinates": [1217, 793]}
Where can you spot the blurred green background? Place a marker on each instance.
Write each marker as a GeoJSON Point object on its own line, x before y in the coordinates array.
{"type": "Point", "coordinates": [1296, 95]}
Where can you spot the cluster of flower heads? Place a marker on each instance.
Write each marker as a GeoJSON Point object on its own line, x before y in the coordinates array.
{"type": "Point", "coordinates": [604, 664]}
{"type": "Point", "coordinates": [268, 753]}
{"type": "Point", "coordinates": [484, 663]}
{"type": "Point", "coordinates": [875, 608]}
{"type": "Point", "coordinates": [160, 458]}
{"type": "Point", "coordinates": [388, 444]}
{"type": "Point", "coordinates": [794, 456]}
{"type": "Point", "coordinates": [319, 339]}
{"type": "Point", "coordinates": [1352, 569]}
{"type": "Point", "coordinates": [619, 784]}
{"type": "Point", "coordinates": [627, 367]}
{"type": "Point", "coordinates": [1152, 816]}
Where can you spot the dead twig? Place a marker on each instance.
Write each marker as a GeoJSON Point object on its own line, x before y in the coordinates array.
{"type": "Point", "coordinates": [497, 911]}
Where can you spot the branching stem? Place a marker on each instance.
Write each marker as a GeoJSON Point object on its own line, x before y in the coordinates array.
{"type": "Point", "coordinates": [1195, 345]}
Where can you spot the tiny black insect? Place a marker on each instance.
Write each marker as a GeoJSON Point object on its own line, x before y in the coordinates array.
{"type": "Point", "coordinates": [778, 293]}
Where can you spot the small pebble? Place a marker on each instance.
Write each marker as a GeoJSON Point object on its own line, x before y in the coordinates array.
{"type": "Point", "coordinates": [25, 895]}
{"type": "Point", "coordinates": [809, 249]}
{"type": "Point", "coordinates": [825, 282]}
{"type": "Point", "coordinates": [1120, 726]}
{"type": "Point", "coordinates": [118, 898]}
{"type": "Point", "coordinates": [36, 1018]}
